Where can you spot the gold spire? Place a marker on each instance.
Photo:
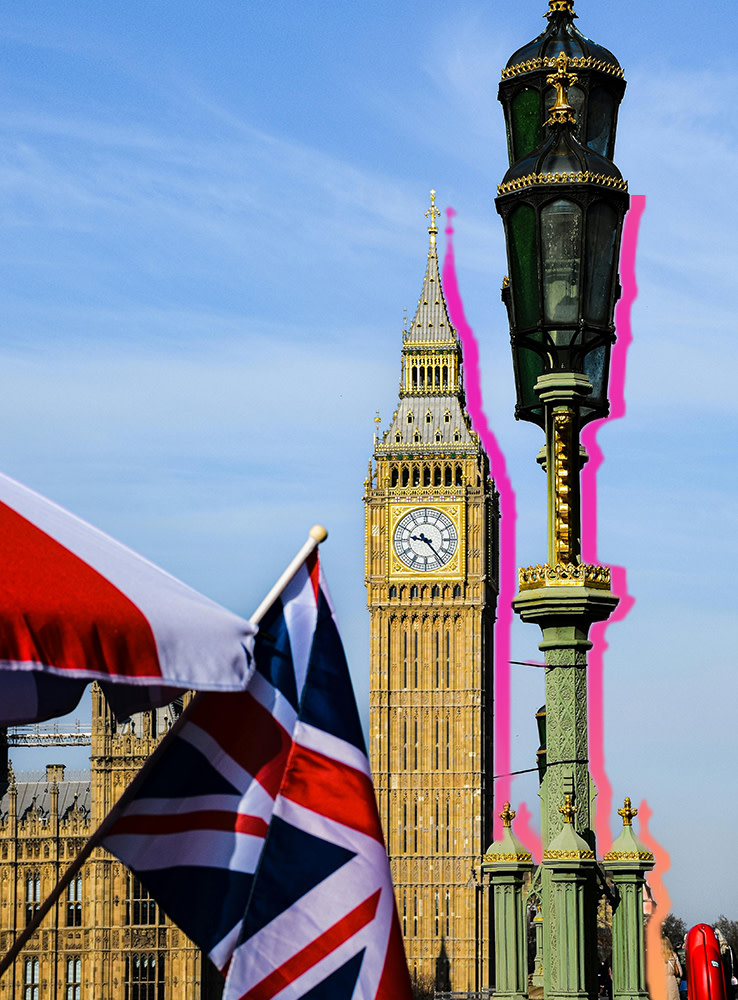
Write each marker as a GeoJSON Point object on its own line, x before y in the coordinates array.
{"type": "Point", "coordinates": [568, 810]}
{"type": "Point", "coordinates": [560, 6]}
{"type": "Point", "coordinates": [562, 112]}
{"type": "Point", "coordinates": [627, 813]}
{"type": "Point", "coordinates": [507, 815]}
{"type": "Point", "coordinates": [432, 213]}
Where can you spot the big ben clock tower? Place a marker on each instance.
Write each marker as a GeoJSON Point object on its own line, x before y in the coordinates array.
{"type": "Point", "coordinates": [431, 576]}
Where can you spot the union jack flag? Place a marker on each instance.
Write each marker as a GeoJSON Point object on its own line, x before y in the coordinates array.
{"type": "Point", "coordinates": [258, 832]}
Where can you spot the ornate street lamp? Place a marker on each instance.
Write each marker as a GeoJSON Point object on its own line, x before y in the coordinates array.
{"type": "Point", "coordinates": [562, 203]}
{"type": "Point", "coordinates": [562, 207]}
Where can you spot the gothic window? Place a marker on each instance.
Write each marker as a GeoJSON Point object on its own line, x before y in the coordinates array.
{"type": "Point", "coordinates": [457, 436]}
{"type": "Point", "coordinates": [414, 593]}
{"type": "Point", "coordinates": [438, 436]}
{"type": "Point", "coordinates": [436, 831]}
{"type": "Point", "coordinates": [144, 977]}
{"type": "Point", "coordinates": [404, 827]}
{"type": "Point", "coordinates": [74, 979]}
{"type": "Point", "coordinates": [416, 439]}
{"type": "Point", "coordinates": [31, 978]}
{"type": "Point", "coordinates": [404, 744]}
{"type": "Point", "coordinates": [438, 376]}
{"type": "Point", "coordinates": [448, 676]}
{"type": "Point", "coordinates": [416, 469]}
{"type": "Point", "coordinates": [448, 912]}
{"type": "Point", "coordinates": [404, 658]}
{"type": "Point", "coordinates": [415, 679]}
{"type": "Point", "coordinates": [445, 376]}
{"type": "Point", "coordinates": [404, 913]}
{"type": "Point", "coordinates": [437, 751]}
{"type": "Point", "coordinates": [410, 417]}
{"type": "Point", "coordinates": [405, 475]}
{"type": "Point", "coordinates": [436, 475]}
{"type": "Point", "coordinates": [426, 475]}
{"type": "Point", "coordinates": [398, 438]}
{"type": "Point", "coordinates": [395, 475]}
{"type": "Point", "coordinates": [422, 376]}
{"type": "Point", "coordinates": [428, 417]}
{"type": "Point", "coordinates": [415, 828]}
{"type": "Point", "coordinates": [437, 913]}
{"type": "Point", "coordinates": [140, 907]}
{"type": "Point", "coordinates": [415, 913]}
{"type": "Point", "coordinates": [459, 475]}
{"type": "Point", "coordinates": [447, 417]}
{"type": "Point", "coordinates": [33, 894]}
{"type": "Point", "coordinates": [415, 378]}
{"type": "Point", "coordinates": [74, 902]}
{"type": "Point", "coordinates": [447, 476]}
{"type": "Point", "coordinates": [415, 759]}
{"type": "Point", "coordinates": [438, 662]}
{"type": "Point", "coordinates": [448, 821]}
{"type": "Point", "coordinates": [457, 591]}
{"type": "Point", "coordinates": [393, 591]}
{"type": "Point", "coordinates": [435, 590]}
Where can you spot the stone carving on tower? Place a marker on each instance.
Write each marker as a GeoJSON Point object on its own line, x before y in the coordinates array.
{"type": "Point", "coordinates": [431, 574]}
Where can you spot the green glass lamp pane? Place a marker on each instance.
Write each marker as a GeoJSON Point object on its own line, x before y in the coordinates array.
{"type": "Point", "coordinates": [602, 231]}
{"type": "Point", "coordinates": [600, 121]}
{"type": "Point", "coordinates": [561, 250]}
{"type": "Point", "coordinates": [530, 367]}
{"type": "Point", "coordinates": [523, 265]}
{"type": "Point", "coordinates": [525, 114]}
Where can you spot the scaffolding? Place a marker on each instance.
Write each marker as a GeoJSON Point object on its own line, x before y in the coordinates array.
{"type": "Point", "coordinates": [50, 735]}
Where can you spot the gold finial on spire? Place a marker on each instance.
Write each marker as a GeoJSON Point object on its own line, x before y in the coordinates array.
{"type": "Point", "coordinates": [562, 112]}
{"type": "Point", "coordinates": [432, 213]}
{"type": "Point", "coordinates": [560, 6]}
{"type": "Point", "coordinates": [507, 815]}
{"type": "Point", "coordinates": [568, 810]}
{"type": "Point", "coordinates": [627, 813]}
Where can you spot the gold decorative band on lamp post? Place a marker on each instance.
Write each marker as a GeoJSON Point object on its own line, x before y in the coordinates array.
{"type": "Point", "coordinates": [571, 575]}
{"type": "Point", "coordinates": [564, 543]}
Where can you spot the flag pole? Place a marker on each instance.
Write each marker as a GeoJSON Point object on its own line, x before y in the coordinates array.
{"type": "Point", "coordinates": [316, 535]}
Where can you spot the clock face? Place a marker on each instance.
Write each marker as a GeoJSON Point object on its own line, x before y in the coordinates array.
{"type": "Point", "coordinates": [425, 539]}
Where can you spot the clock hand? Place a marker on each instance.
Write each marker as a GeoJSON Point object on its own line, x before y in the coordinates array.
{"type": "Point", "coordinates": [421, 538]}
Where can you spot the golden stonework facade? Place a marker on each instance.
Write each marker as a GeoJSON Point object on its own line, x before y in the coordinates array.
{"type": "Point", "coordinates": [431, 573]}
{"type": "Point", "coordinates": [106, 939]}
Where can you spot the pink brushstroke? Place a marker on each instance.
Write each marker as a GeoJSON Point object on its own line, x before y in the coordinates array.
{"type": "Point", "coordinates": [508, 565]}
{"type": "Point", "coordinates": [589, 522]}
{"type": "Point", "coordinates": [655, 969]}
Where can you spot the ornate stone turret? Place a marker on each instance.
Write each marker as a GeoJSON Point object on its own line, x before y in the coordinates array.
{"type": "Point", "coordinates": [431, 414]}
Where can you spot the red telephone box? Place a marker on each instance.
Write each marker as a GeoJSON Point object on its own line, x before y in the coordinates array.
{"type": "Point", "coordinates": [705, 980]}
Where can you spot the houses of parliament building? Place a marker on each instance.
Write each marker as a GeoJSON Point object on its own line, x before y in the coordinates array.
{"type": "Point", "coordinates": [106, 939]}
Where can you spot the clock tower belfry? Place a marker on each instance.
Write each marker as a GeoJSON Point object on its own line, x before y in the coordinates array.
{"type": "Point", "coordinates": [431, 547]}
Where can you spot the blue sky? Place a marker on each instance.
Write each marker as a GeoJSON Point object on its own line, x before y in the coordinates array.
{"type": "Point", "coordinates": [212, 221]}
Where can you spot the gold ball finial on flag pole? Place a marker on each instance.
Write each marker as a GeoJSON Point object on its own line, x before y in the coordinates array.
{"type": "Point", "coordinates": [319, 533]}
